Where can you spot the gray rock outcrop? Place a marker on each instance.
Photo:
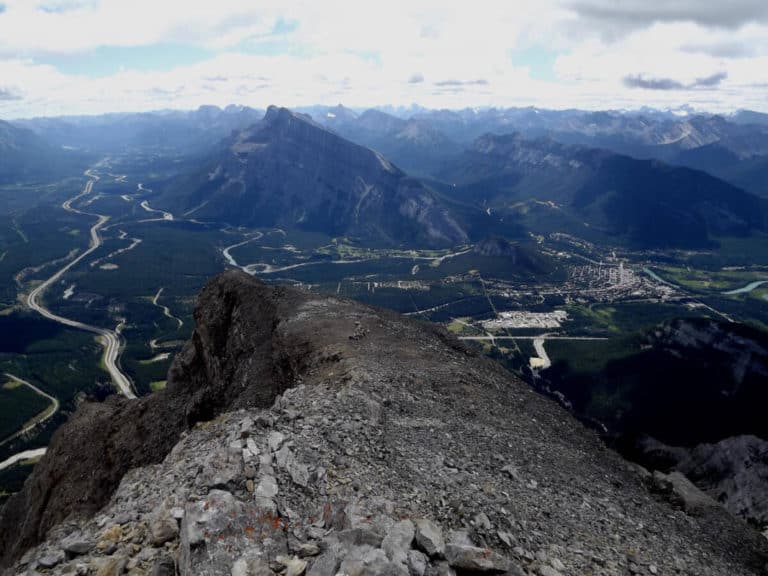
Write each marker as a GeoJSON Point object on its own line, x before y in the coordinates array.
{"type": "Point", "coordinates": [733, 471]}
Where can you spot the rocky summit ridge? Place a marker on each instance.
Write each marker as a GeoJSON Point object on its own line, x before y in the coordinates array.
{"type": "Point", "coordinates": [305, 434]}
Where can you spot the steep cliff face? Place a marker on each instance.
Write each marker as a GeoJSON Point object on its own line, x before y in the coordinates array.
{"type": "Point", "coordinates": [734, 471]}
{"type": "Point", "coordinates": [233, 346]}
{"type": "Point", "coordinates": [308, 434]}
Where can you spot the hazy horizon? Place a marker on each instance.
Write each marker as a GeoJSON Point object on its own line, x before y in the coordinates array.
{"type": "Point", "coordinates": [405, 110]}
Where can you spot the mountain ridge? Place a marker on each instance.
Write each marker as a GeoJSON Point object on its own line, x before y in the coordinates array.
{"type": "Point", "coordinates": [317, 434]}
{"type": "Point", "coordinates": [647, 202]}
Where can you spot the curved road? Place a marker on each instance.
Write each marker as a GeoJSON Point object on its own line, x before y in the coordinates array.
{"type": "Point", "coordinates": [21, 456]}
{"type": "Point", "coordinates": [165, 309]}
{"type": "Point", "coordinates": [544, 361]}
{"type": "Point", "coordinates": [231, 259]}
{"type": "Point", "coordinates": [109, 339]}
{"type": "Point", "coordinates": [40, 418]}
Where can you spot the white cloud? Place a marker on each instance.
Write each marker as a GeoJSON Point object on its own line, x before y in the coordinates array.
{"type": "Point", "coordinates": [366, 53]}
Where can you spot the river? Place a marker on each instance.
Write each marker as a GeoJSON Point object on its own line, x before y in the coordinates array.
{"type": "Point", "coordinates": [745, 289]}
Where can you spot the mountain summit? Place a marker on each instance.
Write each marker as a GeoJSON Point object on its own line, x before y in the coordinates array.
{"type": "Point", "coordinates": [289, 171]}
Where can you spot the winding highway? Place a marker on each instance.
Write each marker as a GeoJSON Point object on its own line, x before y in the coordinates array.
{"type": "Point", "coordinates": [21, 456]}
{"type": "Point", "coordinates": [231, 259]}
{"type": "Point", "coordinates": [40, 418]}
{"type": "Point", "coordinates": [109, 339]}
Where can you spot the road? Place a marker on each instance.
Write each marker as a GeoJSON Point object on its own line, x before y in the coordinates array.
{"type": "Point", "coordinates": [542, 361]}
{"type": "Point", "coordinates": [109, 339]}
{"type": "Point", "coordinates": [166, 215]}
{"type": "Point", "coordinates": [21, 456]}
{"type": "Point", "coordinates": [40, 418]}
{"type": "Point", "coordinates": [253, 269]}
{"type": "Point", "coordinates": [265, 268]}
{"type": "Point", "coordinates": [165, 309]}
{"type": "Point", "coordinates": [231, 259]}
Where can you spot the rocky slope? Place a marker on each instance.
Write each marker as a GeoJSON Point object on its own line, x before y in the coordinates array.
{"type": "Point", "coordinates": [309, 434]}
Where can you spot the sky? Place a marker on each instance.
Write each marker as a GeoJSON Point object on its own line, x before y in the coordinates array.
{"type": "Point", "coordinates": [95, 56]}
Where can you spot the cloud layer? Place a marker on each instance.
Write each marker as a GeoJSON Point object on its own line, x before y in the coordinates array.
{"type": "Point", "coordinates": [93, 56]}
{"type": "Point", "coordinates": [670, 84]}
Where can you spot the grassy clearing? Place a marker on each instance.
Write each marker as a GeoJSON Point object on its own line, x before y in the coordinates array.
{"type": "Point", "coordinates": [59, 360]}
{"type": "Point", "coordinates": [157, 385]}
{"type": "Point", "coordinates": [464, 327]}
{"type": "Point", "coordinates": [621, 318]}
{"type": "Point", "coordinates": [591, 356]}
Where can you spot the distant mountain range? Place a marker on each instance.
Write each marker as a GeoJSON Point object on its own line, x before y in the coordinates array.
{"type": "Point", "coordinates": [289, 171]}
{"type": "Point", "coordinates": [26, 157]}
{"type": "Point", "coordinates": [506, 172]}
{"type": "Point", "coordinates": [733, 148]}
{"type": "Point", "coordinates": [413, 144]}
{"type": "Point", "coordinates": [182, 131]}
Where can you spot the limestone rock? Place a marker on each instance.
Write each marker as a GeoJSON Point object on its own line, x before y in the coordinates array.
{"type": "Point", "coordinates": [398, 541]}
{"type": "Point", "coordinates": [308, 549]}
{"type": "Point", "coordinates": [417, 563]}
{"type": "Point", "coordinates": [219, 527]}
{"type": "Point", "coordinates": [360, 537]}
{"type": "Point", "coordinates": [275, 440]}
{"type": "Point", "coordinates": [547, 571]}
{"type": "Point", "coordinates": [164, 566]}
{"type": "Point", "coordinates": [164, 528]}
{"type": "Point", "coordinates": [366, 561]}
{"type": "Point", "coordinates": [293, 566]}
{"type": "Point", "coordinates": [76, 544]}
{"type": "Point", "coordinates": [267, 488]}
{"type": "Point", "coordinates": [51, 559]}
{"type": "Point", "coordinates": [429, 538]}
{"type": "Point", "coordinates": [112, 566]}
{"type": "Point", "coordinates": [683, 492]}
{"type": "Point", "coordinates": [327, 564]}
{"type": "Point", "coordinates": [473, 559]}
{"type": "Point", "coordinates": [251, 567]}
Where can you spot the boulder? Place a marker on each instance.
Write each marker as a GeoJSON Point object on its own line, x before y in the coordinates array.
{"type": "Point", "coordinates": [429, 538]}
{"type": "Point", "coordinates": [474, 559]}
{"type": "Point", "coordinates": [398, 541]}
